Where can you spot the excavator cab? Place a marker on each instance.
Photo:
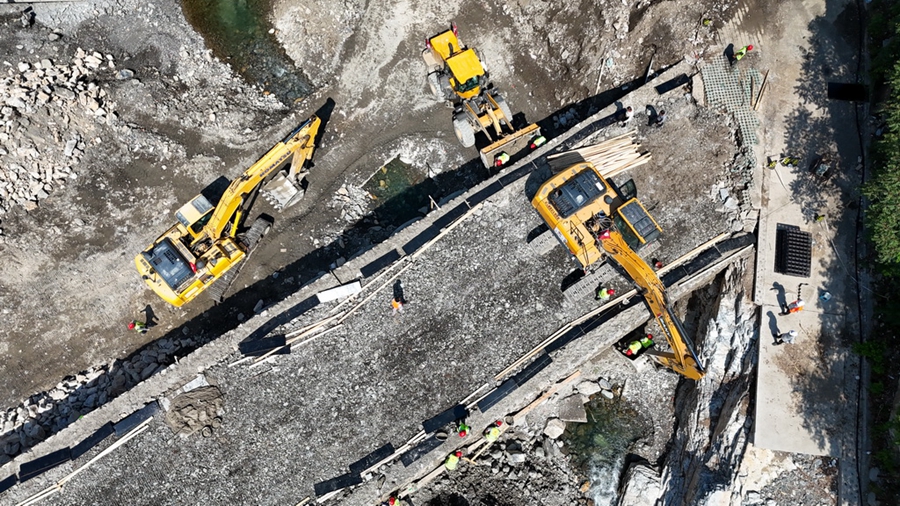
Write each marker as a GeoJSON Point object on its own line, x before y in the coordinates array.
{"type": "Point", "coordinates": [636, 225]}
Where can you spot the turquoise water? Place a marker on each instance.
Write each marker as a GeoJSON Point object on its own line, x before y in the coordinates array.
{"type": "Point", "coordinates": [598, 447]}
{"type": "Point", "coordinates": [238, 33]}
{"type": "Point", "coordinates": [400, 190]}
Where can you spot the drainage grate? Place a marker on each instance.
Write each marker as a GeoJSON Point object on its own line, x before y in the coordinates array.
{"type": "Point", "coordinates": [793, 250]}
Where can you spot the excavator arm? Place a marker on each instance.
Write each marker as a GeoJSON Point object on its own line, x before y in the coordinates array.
{"type": "Point", "coordinates": [299, 145]}
{"type": "Point", "coordinates": [683, 358]}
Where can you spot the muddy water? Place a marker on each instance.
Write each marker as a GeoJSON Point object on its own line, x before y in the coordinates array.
{"type": "Point", "coordinates": [599, 447]}
{"type": "Point", "coordinates": [238, 33]}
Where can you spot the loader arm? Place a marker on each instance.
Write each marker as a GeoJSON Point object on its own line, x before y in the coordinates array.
{"type": "Point", "coordinates": [683, 359]}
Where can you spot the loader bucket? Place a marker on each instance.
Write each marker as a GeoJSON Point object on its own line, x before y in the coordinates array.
{"type": "Point", "coordinates": [514, 144]}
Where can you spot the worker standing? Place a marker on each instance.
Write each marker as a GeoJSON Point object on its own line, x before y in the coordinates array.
{"type": "Point", "coordinates": [501, 159]}
{"type": "Point", "coordinates": [452, 460]}
{"type": "Point", "coordinates": [462, 429]}
{"type": "Point", "coordinates": [137, 326]}
{"type": "Point", "coordinates": [603, 294]}
{"type": "Point", "coordinates": [493, 432]}
{"type": "Point", "coordinates": [740, 53]}
{"type": "Point", "coordinates": [661, 118]}
{"type": "Point", "coordinates": [625, 116]}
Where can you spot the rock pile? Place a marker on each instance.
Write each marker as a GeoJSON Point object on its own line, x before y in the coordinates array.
{"type": "Point", "coordinates": [198, 410]}
{"type": "Point", "coordinates": [45, 414]}
{"type": "Point", "coordinates": [46, 110]}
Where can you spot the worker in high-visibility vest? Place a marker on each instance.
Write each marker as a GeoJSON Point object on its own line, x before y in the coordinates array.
{"type": "Point", "coordinates": [740, 53]}
{"type": "Point", "coordinates": [633, 348]}
{"type": "Point", "coordinates": [647, 341]}
{"type": "Point", "coordinates": [501, 159]}
{"type": "Point", "coordinates": [538, 141]}
{"type": "Point", "coordinates": [452, 460]}
{"type": "Point", "coordinates": [493, 432]}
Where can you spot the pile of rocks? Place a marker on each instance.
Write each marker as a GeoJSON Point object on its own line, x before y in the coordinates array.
{"type": "Point", "coordinates": [47, 110]}
{"type": "Point", "coordinates": [46, 413]}
{"type": "Point", "coordinates": [199, 410]}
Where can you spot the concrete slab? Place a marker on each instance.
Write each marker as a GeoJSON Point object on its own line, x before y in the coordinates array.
{"type": "Point", "coordinates": [805, 401]}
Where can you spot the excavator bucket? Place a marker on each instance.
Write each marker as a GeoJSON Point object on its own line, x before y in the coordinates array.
{"type": "Point", "coordinates": [288, 185]}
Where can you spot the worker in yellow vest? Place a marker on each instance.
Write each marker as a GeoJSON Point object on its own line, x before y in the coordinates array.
{"type": "Point", "coordinates": [493, 432]}
{"type": "Point", "coordinates": [537, 142]}
{"type": "Point", "coordinates": [453, 460]}
{"type": "Point", "coordinates": [633, 348]}
{"type": "Point", "coordinates": [501, 159]}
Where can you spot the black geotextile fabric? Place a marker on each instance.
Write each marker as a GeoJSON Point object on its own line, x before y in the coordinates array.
{"type": "Point", "coordinates": [337, 483]}
{"type": "Point", "coordinates": [444, 418]}
{"type": "Point", "coordinates": [133, 420]}
{"type": "Point", "coordinates": [29, 470]}
{"type": "Point", "coordinates": [93, 440]}
{"type": "Point", "coordinates": [379, 263]}
{"type": "Point", "coordinates": [420, 450]}
{"type": "Point", "coordinates": [497, 395]}
{"type": "Point", "coordinates": [372, 459]}
{"type": "Point", "coordinates": [262, 346]}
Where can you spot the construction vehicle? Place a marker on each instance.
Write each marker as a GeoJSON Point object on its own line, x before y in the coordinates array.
{"type": "Point", "coordinates": [597, 221]}
{"type": "Point", "coordinates": [456, 75]}
{"type": "Point", "coordinates": [205, 249]}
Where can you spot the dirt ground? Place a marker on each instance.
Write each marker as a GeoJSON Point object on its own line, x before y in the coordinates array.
{"type": "Point", "coordinates": [67, 283]}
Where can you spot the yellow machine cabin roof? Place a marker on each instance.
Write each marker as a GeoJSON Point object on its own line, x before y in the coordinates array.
{"type": "Point", "coordinates": [445, 44]}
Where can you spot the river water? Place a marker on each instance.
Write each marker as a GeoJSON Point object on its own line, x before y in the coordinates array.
{"type": "Point", "coordinates": [238, 32]}
{"type": "Point", "coordinates": [599, 447]}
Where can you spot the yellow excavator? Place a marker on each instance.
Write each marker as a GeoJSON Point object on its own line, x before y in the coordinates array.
{"type": "Point", "coordinates": [205, 249]}
{"type": "Point", "coordinates": [455, 74]}
{"type": "Point", "coordinates": [589, 216]}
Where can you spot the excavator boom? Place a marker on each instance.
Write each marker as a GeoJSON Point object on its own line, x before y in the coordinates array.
{"type": "Point", "coordinates": [204, 246]}
{"type": "Point", "coordinates": [587, 214]}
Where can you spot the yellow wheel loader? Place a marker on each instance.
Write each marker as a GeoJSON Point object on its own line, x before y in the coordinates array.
{"type": "Point", "coordinates": [456, 75]}
{"type": "Point", "coordinates": [206, 247]}
{"type": "Point", "coordinates": [595, 222]}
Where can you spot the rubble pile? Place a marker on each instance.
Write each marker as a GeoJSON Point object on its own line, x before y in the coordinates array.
{"type": "Point", "coordinates": [44, 414]}
{"type": "Point", "coordinates": [199, 410]}
{"type": "Point", "coordinates": [46, 110]}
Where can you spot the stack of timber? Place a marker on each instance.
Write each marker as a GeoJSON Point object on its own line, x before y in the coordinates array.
{"type": "Point", "coordinates": [611, 157]}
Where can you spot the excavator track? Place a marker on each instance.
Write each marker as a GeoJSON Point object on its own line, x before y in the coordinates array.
{"type": "Point", "coordinates": [250, 240]}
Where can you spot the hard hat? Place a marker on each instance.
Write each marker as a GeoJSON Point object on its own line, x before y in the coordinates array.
{"type": "Point", "coordinates": [458, 453]}
{"type": "Point", "coordinates": [611, 291]}
{"type": "Point", "coordinates": [462, 433]}
{"type": "Point", "coordinates": [131, 326]}
{"type": "Point", "coordinates": [392, 501]}
{"type": "Point", "coordinates": [498, 423]}
{"type": "Point", "coordinates": [793, 332]}
{"type": "Point", "coordinates": [750, 47]}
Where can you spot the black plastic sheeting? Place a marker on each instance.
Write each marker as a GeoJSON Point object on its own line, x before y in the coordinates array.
{"type": "Point", "coordinates": [93, 440]}
{"type": "Point", "coordinates": [380, 263]}
{"type": "Point", "coordinates": [342, 481]}
{"type": "Point", "coordinates": [484, 194]}
{"type": "Point", "coordinates": [533, 368]}
{"type": "Point", "coordinates": [29, 470]}
{"type": "Point", "coordinates": [262, 346]}
{"type": "Point", "coordinates": [372, 459]}
{"type": "Point", "coordinates": [8, 482]}
{"type": "Point", "coordinates": [418, 241]}
{"type": "Point", "coordinates": [519, 173]}
{"type": "Point", "coordinates": [420, 450]}
{"type": "Point", "coordinates": [133, 420]}
{"type": "Point", "coordinates": [506, 388]}
{"type": "Point", "coordinates": [458, 412]}
{"type": "Point", "coordinates": [850, 92]}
